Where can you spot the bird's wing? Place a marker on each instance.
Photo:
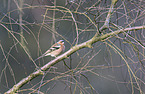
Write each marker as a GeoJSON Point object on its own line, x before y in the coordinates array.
{"type": "Point", "coordinates": [53, 48]}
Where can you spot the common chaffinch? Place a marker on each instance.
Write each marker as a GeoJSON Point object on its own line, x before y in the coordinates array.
{"type": "Point", "coordinates": [54, 50]}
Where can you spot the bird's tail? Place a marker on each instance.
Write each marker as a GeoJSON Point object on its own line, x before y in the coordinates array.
{"type": "Point", "coordinates": [39, 58]}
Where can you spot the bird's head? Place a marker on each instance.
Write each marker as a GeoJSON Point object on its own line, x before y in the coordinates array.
{"type": "Point", "coordinates": [60, 42]}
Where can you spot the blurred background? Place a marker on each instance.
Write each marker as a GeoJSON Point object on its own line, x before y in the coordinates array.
{"type": "Point", "coordinates": [30, 27]}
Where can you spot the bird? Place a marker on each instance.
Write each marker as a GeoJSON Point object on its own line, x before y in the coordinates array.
{"type": "Point", "coordinates": [54, 50]}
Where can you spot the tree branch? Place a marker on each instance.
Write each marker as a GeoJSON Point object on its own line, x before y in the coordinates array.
{"type": "Point", "coordinates": [106, 24]}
